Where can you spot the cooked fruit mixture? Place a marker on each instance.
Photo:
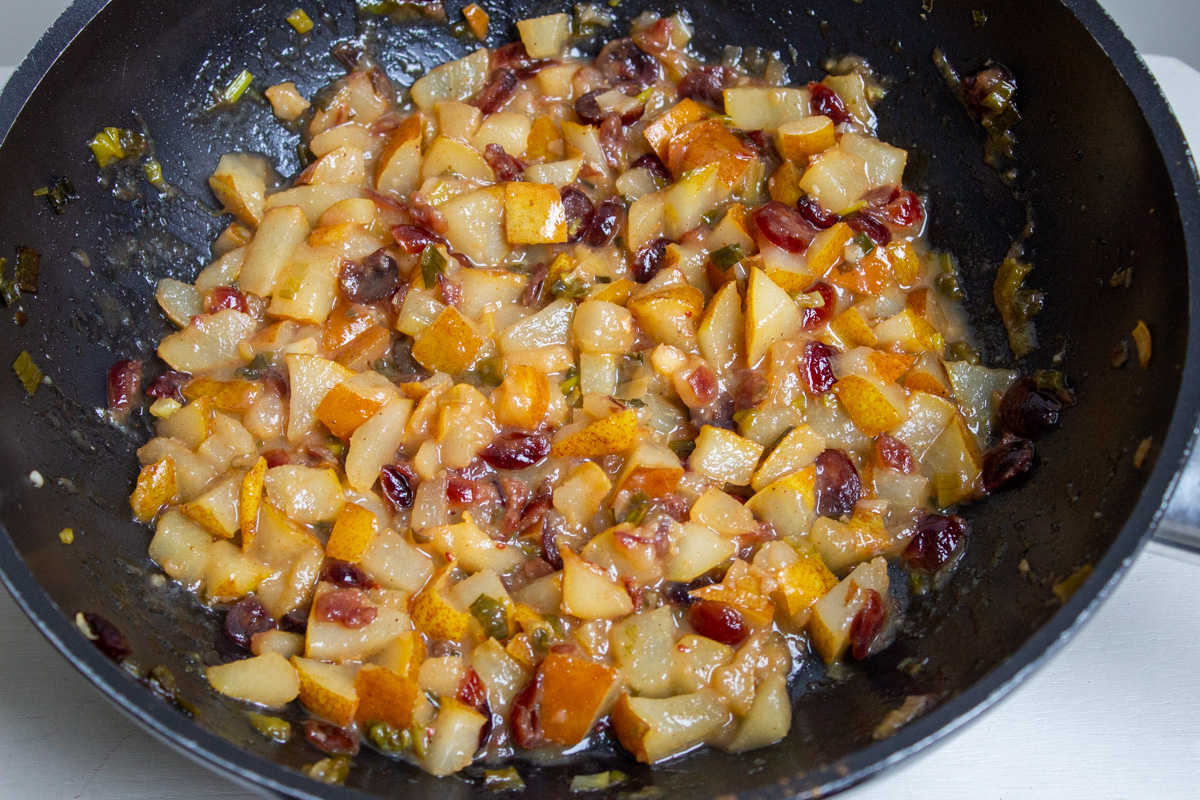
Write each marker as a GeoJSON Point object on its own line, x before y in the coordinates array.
{"type": "Point", "coordinates": [559, 395]}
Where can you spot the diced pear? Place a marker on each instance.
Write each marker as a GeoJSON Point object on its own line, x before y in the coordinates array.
{"type": "Point", "coordinates": [249, 499]}
{"type": "Point", "coordinates": [450, 156]}
{"type": "Point", "coordinates": [575, 692]}
{"type": "Point", "coordinates": [434, 615]}
{"type": "Point", "coordinates": [652, 468]}
{"type": "Point", "coordinates": [313, 200]}
{"type": "Point", "coordinates": [398, 166]}
{"type": "Point", "coordinates": [841, 545]}
{"type": "Point", "coordinates": [208, 342]}
{"type": "Point", "coordinates": [348, 405]}
{"type": "Point", "coordinates": [451, 344]}
{"type": "Point", "coordinates": [240, 183]}
{"type": "Point", "coordinates": [352, 533]}
{"type": "Point", "coordinates": [544, 37]}
{"type": "Point", "coordinates": [332, 641]}
{"type": "Point", "coordinates": [909, 332]}
{"type": "Point", "coordinates": [660, 131]}
{"type": "Point", "coordinates": [276, 641]}
{"type": "Point", "coordinates": [327, 690]}
{"type": "Point", "coordinates": [833, 615]}
{"type": "Point", "coordinates": [282, 230]}
{"type": "Point", "coordinates": [769, 718]}
{"type": "Point", "coordinates": [799, 448]}
{"type": "Point", "coordinates": [217, 509]}
{"type": "Point", "coordinates": [885, 163]}
{"type": "Point", "coordinates": [765, 108]}
{"type": "Point", "coordinates": [928, 416]}
{"type": "Point", "coordinates": [475, 225]}
{"type": "Point", "coordinates": [268, 680]}
{"type": "Point", "coordinates": [454, 80]}
{"type": "Point", "coordinates": [394, 563]}
{"type": "Point", "coordinates": [307, 286]}
{"type": "Point", "coordinates": [889, 366]}
{"type": "Point", "coordinates": [306, 494]}
{"type": "Point", "coordinates": [725, 456]}
{"type": "Point", "coordinates": [836, 179]}
{"type": "Point", "coordinates": [691, 197]}
{"type": "Point", "coordinates": [602, 327]}
{"type": "Point", "coordinates": [508, 129]}
{"type": "Point", "coordinates": [180, 547]}
{"type": "Point", "coordinates": [589, 593]}
{"type": "Point", "coordinates": [156, 486]}
{"type": "Point", "coordinates": [384, 696]}
{"type": "Point", "coordinates": [800, 585]}
{"type": "Point", "coordinates": [533, 214]}
{"type": "Point", "coordinates": [743, 591]}
{"type": "Point", "coordinates": [609, 435]}
{"type": "Point", "coordinates": [654, 729]}
{"type": "Point", "coordinates": [231, 574]}
{"type": "Point", "coordinates": [721, 512]}
{"type": "Point", "coordinates": [801, 139]}
{"type": "Point", "coordinates": [771, 315]}
{"type": "Point", "coordinates": [455, 739]}
{"type": "Point", "coordinates": [875, 409]}
{"type": "Point", "coordinates": [953, 461]}
{"type": "Point", "coordinates": [698, 550]}
{"type": "Point", "coordinates": [344, 165]}
{"type": "Point", "coordinates": [311, 378]}
{"type": "Point", "coordinates": [472, 549]}
{"type": "Point", "coordinates": [693, 660]}
{"type": "Point", "coordinates": [642, 645]}
{"type": "Point", "coordinates": [787, 504]}
{"type": "Point", "coordinates": [645, 220]}
{"type": "Point", "coordinates": [375, 442]}
{"type": "Point", "coordinates": [580, 496]}
{"type": "Point", "coordinates": [669, 315]}
{"type": "Point", "coordinates": [721, 334]}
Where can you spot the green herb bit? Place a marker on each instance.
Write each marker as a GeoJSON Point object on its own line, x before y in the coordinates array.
{"type": "Point", "coordinates": [541, 639]}
{"type": "Point", "coordinates": [963, 351]}
{"type": "Point", "coordinates": [682, 447]}
{"type": "Point", "coordinates": [556, 624]}
{"type": "Point", "coordinates": [433, 263]}
{"type": "Point", "coordinates": [1068, 586]}
{"type": "Point", "coordinates": [274, 728]}
{"type": "Point", "coordinates": [503, 780]}
{"type": "Point", "coordinates": [635, 510]}
{"type": "Point", "coordinates": [490, 371]}
{"type": "Point", "coordinates": [744, 418]}
{"type": "Point", "coordinates": [106, 146]}
{"type": "Point", "coordinates": [864, 243]}
{"type": "Point", "coordinates": [300, 21]}
{"type": "Point", "coordinates": [236, 88]}
{"type": "Point", "coordinates": [333, 770]}
{"type": "Point", "coordinates": [571, 382]}
{"type": "Point", "coordinates": [492, 616]}
{"type": "Point", "coordinates": [387, 368]}
{"type": "Point", "coordinates": [979, 17]}
{"type": "Point", "coordinates": [727, 256]}
{"type": "Point", "coordinates": [389, 739]}
{"type": "Point", "coordinates": [635, 402]}
{"type": "Point", "coordinates": [948, 285]}
{"type": "Point", "coordinates": [28, 372]}
{"type": "Point", "coordinates": [597, 782]}
{"type": "Point", "coordinates": [29, 263]}
{"type": "Point", "coordinates": [58, 195]}
{"type": "Point", "coordinates": [711, 218]}
{"type": "Point", "coordinates": [459, 29]}
{"type": "Point", "coordinates": [257, 367]}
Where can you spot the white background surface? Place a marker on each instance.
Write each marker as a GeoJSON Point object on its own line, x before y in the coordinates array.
{"type": "Point", "coordinates": [1115, 716]}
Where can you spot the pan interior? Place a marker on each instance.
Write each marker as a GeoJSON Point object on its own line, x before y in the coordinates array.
{"type": "Point", "coordinates": [1088, 166]}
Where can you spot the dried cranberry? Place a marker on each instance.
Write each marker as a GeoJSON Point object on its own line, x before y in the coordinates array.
{"type": "Point", "coordinates": [873, 228]}
{"type": "Point", "coordinates": [613, 141]}
{"type": "Point", "coordinates": [812, 211]}
{"type": "Point", "coordinates": [169, 384]}
{"type": "Point", "coordinates": [397, 490]}
{"type": "Point", "coordinates": [579, 210]}
{"type": "Point", "coordinates": [351, 608]}
{"type": "Point", "coordinates": [1028, 411]}
{"type": "Point", "coordinates": [751, 391]}
{"type": "Point", "coordinates": [784, 227]}
{"type": "Point", "coordinates": [705, 85]}
{"type": "Point", "coordinates": [124, 385]}
{"type": "Point", "coordinates": [505, 166]}
{"type": "Point", "coordinates": [346, 575]}
{"type": "Point", "coordinates": [867, 623]}
{"type": "Point", "coordinates": [277, 457]}
{"type": "Point", "coordinates": [652, 164]}
{"type": "Point", "coordinates": [372, 280]}
{"type": "Point", "coordinates": [903, 210]}
{"type": "Point", "coordinates": [718, 621]}
{"type": "Point", "coordinates": [329, 738]}
{"type": "Point", "coordinates": [225, 297]}
{"type": "Point", "coordinates": [838, 487]}
{"type": "Point", "coordinates": [274, 382]}
{"type": "Point", "coordinates": [937, 538]}
{"type": "Point", "coordinates": [813, 318]}
{"type": "Point", "coordinates": [245, 618]}
{"type": "Point", "coordinates": [1006, 462]}
{"type": "Point", "coordinates": [649, 259]}
{"type": "Point", "coordinates": [461, 492]}
{"type": "Point", "coordinates": [415, 238]}
{"type": "Point", "coordinates": [816, 369]}
{"type": "Point", "coordinates": [524, 719]}
{"type": "Point", "coordinates": [605, 223]}
{"type": "Point", "coordinates": [532, 295]}
{"type": "Point", "coordinates": [622, 61]}
{"type": "Point", "coordinates": [761, 144]}
{"type": "Point", "coordinates": [500, 88]}
{"type": "Point", "coordinates": [472, 692]}
{"type": "Point", "coordinates": [827, 103]}
{"type": "Point", "coordinates": [295, 621]}
{"type": "Point", "coordinates": [702, 382]}
{"type": "Point", "coordinates": [550, 549]}
{"type": "Point", "coordinates": [894, 454]}
{"type": "Point", "coordinates": [106, 637]}
{"type": "Point", "coordinates": [588, 109]}
{"type": "Point", "coordinates": [348, 54]}
{"type": "Point", "coordinates": [515, 56]}
{"type": "Point", "coordinates": [516, 450]}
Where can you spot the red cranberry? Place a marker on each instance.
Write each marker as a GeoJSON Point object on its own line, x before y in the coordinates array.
{"type": "Point", "coordinates": [277, 457]}
{"type": "Point", "coordinates": [414, 238]}
{"type": "Point", "coordinates": [838, 487]}
{"type": "Point", "coordinates": [613, 141]}
{"type": "Point", "coordinates": [329, 738]}
{"type": "Point", "coordinates": [245, 618]}
{"type": "Point", "coordinates": [980, 85]}
{"type": "Point", "coordinates": [397, 490]}
{"type": "Point", "coordinates": [515, 56]}
{"type": "Point", "coordinates": [751, 391]}
{"type": "Point", "coordinates": [784, 227]}
{"type": "Point", "coordinates": [894, 454]}
{"type": "Point", "coordinates": [225, 297]}
{"type": "Point", "coordinates": [652, 164]}
{"type": "Point", "coordinates": [505, 166]}
{"type": "Point", "coordinates": [605, 223]}
{"type": "Point", "coordinates": [350, 608]}
{"type": "Point", "coordinates": [1028, 411]}
{"type": "Point", "coordinates": [648, 260]}
{"type": "Point", "coordinates": [827, 103]}
{"type": "Point", "coordinates": [580, 211]}
{"type": "Point", "coordinates": [867, 624]}
{"type": "Point", "coordinates": [718, 621]}
{"type": "Point", "coordinates": [813, 318]}
{"type": "Point", "coordinates": [903, 210]}
{"type": "Point", "coordinates": [372, 280]}
{"type": "Point", "coordinates": [816, 369]}
{"type": "Point", "coordinates": [500, 88]}
{"type": "Point", "coordinates": [124, 385]}
{"type": "Point", "coordinates": [346, 575]}
{"type": "Point", "coordinates": [937, 539]}
{"type": "Point", "coordinates": [515, 450]}
{"type": "Point", "coordinates": [106, 637]}
{"type": "Point", "coordinates": [588, 109]}
{"type": "Point", "coordinates": [817, 216]}
{"type": "Point", "coordinates": [169, 384]}
{"type": "Point", "coordinates": [622, 61]}
{"type": "Point", "coordinates": [705, 85]}
{"type": "Point", "coordinates": [524, 720]}
{"type": "Point", "coordinates": [1006, 462]}
{"type": "Point", "coordinates": [875, 230]}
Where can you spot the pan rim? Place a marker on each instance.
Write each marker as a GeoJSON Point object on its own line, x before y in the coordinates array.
{"type": "Point", "coordinates": [214, 752]}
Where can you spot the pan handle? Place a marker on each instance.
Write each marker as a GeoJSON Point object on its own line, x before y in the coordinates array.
{"type": "Point", "coordinates": [1180, 527]}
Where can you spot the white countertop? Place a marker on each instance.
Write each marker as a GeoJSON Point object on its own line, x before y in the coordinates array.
{"type": "Point", "coordinates": [1114, 716]}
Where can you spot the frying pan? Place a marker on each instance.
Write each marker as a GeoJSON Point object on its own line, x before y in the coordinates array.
{"type": "Point", "coordinates": [1102, 171]}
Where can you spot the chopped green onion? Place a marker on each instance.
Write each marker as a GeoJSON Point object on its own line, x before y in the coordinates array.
{"type": "Point", "coordinates": [744, 418]}
{"type": "Point", "coordinates": [59, 194]}
{"type": "Point", "coordinates": [154, 175]}
{"type": "Point", "coordinates": [333, 770]}
{"type": "Point", "coordinates": [864, 243]}
{"type": "Point", "coordinates": [979, 17]}
{"type": "Point", "coordinates": [387, 368]}
{"type": "Point", "coordinates": [28, 373]}
{"type": "Point", "coordinates": [300, 20]}
{"type": "Point", "coordinates": [106, 146]}
{"type": "Point", "coordinates": [257, 367]}
{"type": "Point", "coordinates": [433, 263]}
{"type": "Point", "coordinates": [503, 780]}
{"type": "Point", "coordinates": [599, 781]}
{"type": "Point", "coordinates": [274, 728]}
{"type": "Point", "coordinates": [236, 88]}
{"type": "Point", "coordinates": [727, 256]}
{"type": "Point", "coordinates": [635, 402]}
{"type": "Point", "coordinates": [389, 739]}
{"type": "Point", "coordinates": [682, 447]}
{"type": "Point", "coordinates": [492, 616]}
{"type": "Point", "coordinates": [490, 371]}
{"type": "Point", "coordinates": [29, 262]}
{"type": "Point", "coordinates": [1017, 305]}
{"type": "Point", "coordinates": [635, 510]}
{"type": "Point", "coordinates": [571, 382]}
{"type": "Point", "coordinates": [963, 351]}
{"type": "Point", "coordinates": [711, 218]}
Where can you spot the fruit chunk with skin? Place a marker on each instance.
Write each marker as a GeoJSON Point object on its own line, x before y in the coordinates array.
{"type": "Point", "coordinates": [180, 547]}
{"type": "Point", "coordinates": [769, 718]}
{"type": "Point", "coordinates": [384, 696]}
{"type": "Point", "coordinates": [283, 229]}
{"type": "Point", "coordinates": [575, 692]}
{"type": "Point", "coordinates": [398, 167]}
{"type": "Point", "coordinates": [799, 448]}
{"type": "Point", "coordinates": [451, 344]}
{"type": "Point", "coordinates": [642, 645]}
{"type": "Point", "coordinates": [348, 405]}
{"type": "Point", "coordinates": [533, 214]}
{"type": "Point", "coordinates": [803, 138]}
{"type": "Point", "coordinates": [609, 435]}
{"type": "Point", "coordinates": [208, 342]}
{"type": "Point", "coordinates": [770, 316]}
{"type": "Point", "coordinates": [327, 690]}
{"type": "Point", "coordinates": [522, 399]}
{"type": "Point", "coordinates": [698, 550]}
{"type": "Point", "coordinates": [580, 496]}
{"type": "Point", "coordinates": [800, 585]}
{"type": "Point", "coordinates": [249, 499]}
{"type": "Point", "coordinates": [725, 456]}
{"type": "Point", "coordinates": [787, 503]}
{"type": "Point", "coordinates": [741, 591]}
{"type": "Point", "coordinates": [868, 405]}
{"type": "Point", "coordinates": [268, 680]}
{"type": "Point", "coordinates": [374, 443]}
{"type": "Point", "coordinates": [240, 183]}
{"type": "Point", "coordinates": [473, 549]}
{"type": "Point", "coordinates": [652, 468]}
{"type": "Point", "coordinates": [311, 378]}
{"type": "Point", "coordinates": [456, 733]}
{"type": "Point", "coordinates": [589, 593]}
{"type": "Point", "coordinates": [352, 533]}
{"type": "Point", "coordinates": [722, 333]}
{"type": "Point", "coordinates": [217, 509]}
{"type": "Point", "coordinates": [156, 486]}
{"type": "Point", "coordinates": [724, 514]}
{"type": "Point", "coordinates": [654, 729]}
{"type": "Point", "coordinates": [834, 613]}
{"type": "Point", "coordinates": [434, 614]}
